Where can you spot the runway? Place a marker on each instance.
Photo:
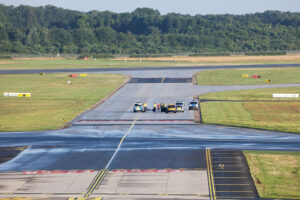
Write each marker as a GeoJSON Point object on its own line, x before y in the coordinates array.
{"type": "Point", "coordinates": [167, 152]}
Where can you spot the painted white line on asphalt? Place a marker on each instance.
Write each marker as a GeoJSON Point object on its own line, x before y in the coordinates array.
{"type": "Point", "coordinates": [120, 144]}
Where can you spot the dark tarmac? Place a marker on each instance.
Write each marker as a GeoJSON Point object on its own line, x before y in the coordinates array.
{"type": "Point", "coordinates": [160, 80]}
{"type": "Point", "coordinates": [8, 153]}
{"type": "Point", "coordinates": [160, 159]}
{"type": "Point", "coordinates": [146, 146]}
{"type": "Point", "coordinates": [232, 178]}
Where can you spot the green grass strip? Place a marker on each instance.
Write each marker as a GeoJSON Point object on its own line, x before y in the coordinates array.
{"type": "Point", "coordinates": [253, 109]}
{"type": "Point", "coordinates": [276, 174]}
{"type": "Point", "coordinates": [283, 75]}
{"type": "Point", "coordinates": [54, 102]}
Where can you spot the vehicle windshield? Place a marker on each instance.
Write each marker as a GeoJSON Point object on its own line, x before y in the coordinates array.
{"type": "Point", "coordinates": [193, 102]}
{"type": "Point", "coordinates": [171, 106]}
{"type": "Point", "coordinates": [137, 104]}
{"type": "Point", "coordinates": [179, 104]}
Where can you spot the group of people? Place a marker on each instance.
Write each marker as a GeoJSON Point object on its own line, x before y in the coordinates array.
{"type": "Point", "coordinates": [156, 107]}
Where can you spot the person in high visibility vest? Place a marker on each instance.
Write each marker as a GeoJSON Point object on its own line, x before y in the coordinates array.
{"type": "Point", "coordinates": [145, 107]}
{"type": "Point", "coordinates": [154, 107]}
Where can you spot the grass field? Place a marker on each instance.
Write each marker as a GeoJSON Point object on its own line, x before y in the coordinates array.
{"type": "Point", "coordinates": [226, 59]}
{"type": "Point", "coordinates": [276, 174]}
{"type": "Point", "coordinates": [234, 76]}
{"type": "Point", "coordinates": [63, 63]}
{"type": "Point", "coordinates": [47, 63]}
{"type": "Point", "coordinates": [53, 102]}
{"type": "Point", "coordinates": [261, 111]}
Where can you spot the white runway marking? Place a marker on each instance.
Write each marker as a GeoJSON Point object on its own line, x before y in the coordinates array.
{"type": "Point", "coordinates": [120, 144]}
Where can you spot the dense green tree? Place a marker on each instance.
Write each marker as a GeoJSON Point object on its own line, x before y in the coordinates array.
{"type": "Point", "coordinates": [49, 29]}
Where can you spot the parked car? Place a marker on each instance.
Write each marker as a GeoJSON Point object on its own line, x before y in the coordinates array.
{"type": "Point", "coordinates": [171, 108]}
{"type": "Point", "coordinates": [179, 106]}
{"type": "Point", "coordinates": [193, 105]}
{"type": "Point", "coordinates": [139, 107]}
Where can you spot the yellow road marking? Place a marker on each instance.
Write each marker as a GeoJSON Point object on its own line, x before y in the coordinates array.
{"type": "Point", "coordinates": [101, 174]}
{"type": "Point", "coordinates": [210, 175]}
{"type": "Point", "coordinates": [96, 183]}
{"type": "Point", "coordinates": [121, 142]}
{"type": "Point", "coordinates": [96, 177]}
{"type": "Point", "coordinates": [101, 179]}
{"type": "Point", "coordinates": [132, 125]}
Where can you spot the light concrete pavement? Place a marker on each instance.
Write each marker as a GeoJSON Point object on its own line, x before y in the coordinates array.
{"type": "Point", "coordinates": [120, 106]}
{"type": "Point", "coordinates": [55, 184]}
{"type": "Point", "coordinates": [174, 184]}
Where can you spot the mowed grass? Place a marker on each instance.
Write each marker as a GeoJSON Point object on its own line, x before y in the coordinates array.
{"type": "Point", "coordinates": [253, 109]}
{"type": "Point", "coordinates": [282, 75]}
{"type": "Point", "coordinates": [276, 174]}
{"type": "Point", "coordinates": [73, 63]}
{"type": "Point", "coordinates": [53, 102]}
{"type": "Point", "coordinates": [47, 63]}
{"type": "Point", "coordinates": [253, 94]}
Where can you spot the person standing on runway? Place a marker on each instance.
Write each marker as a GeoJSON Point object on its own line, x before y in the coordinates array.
{"type": "Point", "coordinates": [154, 107]}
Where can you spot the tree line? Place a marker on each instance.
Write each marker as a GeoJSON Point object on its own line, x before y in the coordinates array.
{"type": "Point", "coordinates": [49, 29]}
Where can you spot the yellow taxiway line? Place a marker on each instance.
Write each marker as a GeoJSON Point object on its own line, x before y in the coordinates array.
{"type": "Point", "coordinates": [211, 184]}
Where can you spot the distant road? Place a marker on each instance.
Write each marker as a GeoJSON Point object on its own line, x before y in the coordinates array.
{"type": "Point", "coordinates": [33, 71]}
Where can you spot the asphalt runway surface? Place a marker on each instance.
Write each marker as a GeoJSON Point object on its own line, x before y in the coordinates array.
{"type": "Point", "coordinates": [112, 137]}
{"type": "Point", "coordinates": [232, 178]}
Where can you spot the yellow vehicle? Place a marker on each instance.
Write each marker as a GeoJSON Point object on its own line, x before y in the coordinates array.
{"type": "Point", "coordinates": [171, 108]}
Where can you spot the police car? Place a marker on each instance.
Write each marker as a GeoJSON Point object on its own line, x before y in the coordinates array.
{"type": "Point", "coordinates": [179, 106]}
{"type": "Point", "coordinates": [139, 107]}
{"type": "Point", "coordinates": [193, 105]}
